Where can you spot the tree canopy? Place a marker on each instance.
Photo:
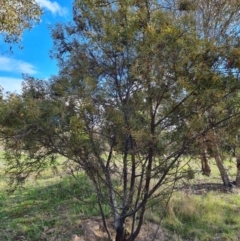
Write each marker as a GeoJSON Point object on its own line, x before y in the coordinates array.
{"type": "Point", "coordinates": [140, 83]}
{"type": "Point", "coordinates": [16, 16]}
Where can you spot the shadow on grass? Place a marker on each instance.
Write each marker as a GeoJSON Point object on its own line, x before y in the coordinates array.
{"type": "Point", "coordinates": [47, 211]}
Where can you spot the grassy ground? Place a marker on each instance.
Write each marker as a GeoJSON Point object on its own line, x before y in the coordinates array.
{"type": "Point", "coordinates": [49, 209]}
{"type": "Point", "coordinates": [212, 216]}
{"type": "Point", "coordinates": [46, 210]}
{"type": "Point", "coordinates": [52, 208]}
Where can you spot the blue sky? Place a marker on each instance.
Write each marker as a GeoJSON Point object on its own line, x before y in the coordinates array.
{"type": "Point", "coordinates": [34, 58]}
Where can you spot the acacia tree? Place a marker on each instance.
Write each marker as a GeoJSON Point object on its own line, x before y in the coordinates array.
{"type": "Point", "coordinates": [123, 107]}
{"type": "Point", "coordinates": [16, 16]}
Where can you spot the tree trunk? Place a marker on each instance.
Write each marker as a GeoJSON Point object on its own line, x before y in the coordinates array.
{"type": "Point", "coordinates": [206, 170]}
{"type": "Point", "coordinates": [218, 159]}
{"type": "Point", "coordinates": [120, 235]}
{"type": "Point", "coordinates": [222, 170]}
{"type": "Point", "coordinates": [238, 171]}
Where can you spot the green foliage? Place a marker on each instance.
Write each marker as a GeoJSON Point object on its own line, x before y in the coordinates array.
{"type": "Point", "coordinates": [16, 16]}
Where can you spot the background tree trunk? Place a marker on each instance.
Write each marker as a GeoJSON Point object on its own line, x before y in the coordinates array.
{"type": "Point", "coordinates": [238, 170]}
{"type": "Point", "coordinates": [222, 170]}
{"type": "Point", "coordinates": [218, 159]}
{"type": "Point", "coordinates": [206, 170]}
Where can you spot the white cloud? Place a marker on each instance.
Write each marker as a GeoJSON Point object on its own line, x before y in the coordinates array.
{"type": "Point", "coordinates": [16, 66]}
{"type": "Point", "coordinates": [11, 84]}
{"type": "Point", "coordinates": [53, 7]}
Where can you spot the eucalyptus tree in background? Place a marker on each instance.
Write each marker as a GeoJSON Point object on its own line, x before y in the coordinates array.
{"type": "Point", "coordinates": [216, 24]}
{"type": "Point", "coordinates": [16, 16]}
{"type": "Point", "coordinates": [132, 97]}
{"type": "Point", "coordinates": [223, 33]}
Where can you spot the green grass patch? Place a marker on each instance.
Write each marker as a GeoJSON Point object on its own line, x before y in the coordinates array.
{"type": "Point", "coordinates": [47, 210]}
{"type": "Point", "coordinates": [193, 217]}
